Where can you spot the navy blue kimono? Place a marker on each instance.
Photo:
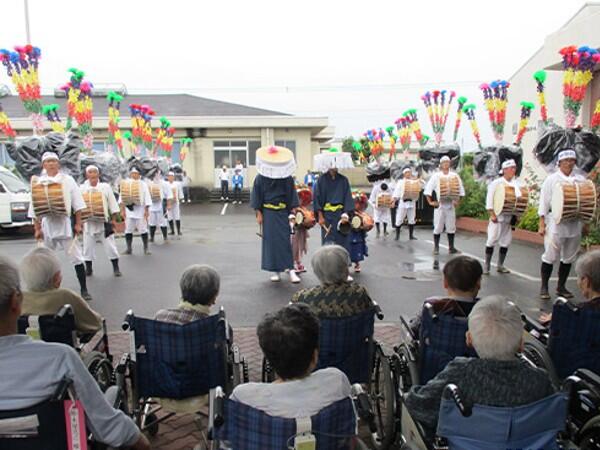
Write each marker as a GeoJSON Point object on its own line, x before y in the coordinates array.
{"type": "Point", "coordinates": [275, 198]}
{"type": "Point", "coordinates": [358, 246]}
{"type": "Point", "coordinates": [333, 197]}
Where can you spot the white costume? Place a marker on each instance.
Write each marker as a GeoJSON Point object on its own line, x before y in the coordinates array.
{"type": "Point", "coordinates": [380, 215]}
{"type": "Point", "coordinates": [406, 208]}
{"type": "Point", "coordinates": [500, 232]}
{"type": "Point", "coordinates": [134, 214]}
{"type": "Point", "coordinates": [157, 214]}
{"type": "Point", "coordinates": [177, 192]}
{"type": "Point", "coordinates": [561, 240]}
{"type": "Point", "coordinates": [94, 229]}
{"type": "Point", "coordinates": [57, 229]}
{"type": "Point", "coordinates": [444, 216]}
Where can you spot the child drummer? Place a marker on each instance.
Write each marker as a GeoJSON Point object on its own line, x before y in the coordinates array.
{"type": "Point", "coordinates": [300, 235]}
{"type": "Point", "coordinates": [358, 237]}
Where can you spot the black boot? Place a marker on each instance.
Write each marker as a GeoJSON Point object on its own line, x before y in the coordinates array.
{"type": "Point", "coordinates": [164, 233]}
{"type": "Point", "coordinates": [436, 244]}
{"type": "Point", "coordinates": [178, 225]}
{"type": "Point", "coordinates": [411, 233]}
{"type": "Point", "coordinates": [145, 242]}
{"type": "Point", "coordinates": [80, 272]}
{"type": "Point", "coordinates": [563, 274]}
{"type": "Point", "coordinates": [452, 250]}
{"type": "Point", "coordinates": [489, 252]}
{"type": "Point", "coordinates": [501, 258]}
{"type": "Point", "coordinates": [172, 226]}
{"type": "Point", "coordinates": [88, 268]}
{"type": "Point", "coordinates": [385, 233]}
{"type": "Point", "coordinates": [152, 233]}
{"type": "Point", "coordinates": [545, 273]}
{"type": "Point", "coordinates": [115, 264]}
{"type": "Point", "coordinates": [378, 230]}
{"type": "Point", "coordinates": [398, 232]}
{"type": "Point", "coordinates": [128, 242]}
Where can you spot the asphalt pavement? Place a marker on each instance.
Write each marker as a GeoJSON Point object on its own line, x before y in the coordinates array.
{"type": "Point", "coordinates": [399, 275]}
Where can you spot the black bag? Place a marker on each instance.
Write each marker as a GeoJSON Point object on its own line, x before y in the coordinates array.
{"type": "Point", "coordinates": [430, 157]}
{"type": "Point", "coordinates": [585, 143]}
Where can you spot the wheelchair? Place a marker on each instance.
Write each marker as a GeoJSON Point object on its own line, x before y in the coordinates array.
{"type": "Point", "coordinates": [60, 328]}
{"type": "Point", "coordinates": [174, 362]}
{"type": "Point", "coordinates": [245, 428]}
{"type": "Point", "coordinates": [415, 360]}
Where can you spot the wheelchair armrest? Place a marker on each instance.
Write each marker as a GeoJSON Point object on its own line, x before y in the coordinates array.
{"type": "Point", "coordinates": [364, 407]}
{"type": "Point", "coordinates": [121, 367]}
{"type": "Point", "coordinates": [84, 338]}
{"type": "Point", "coordinates": [61, 390]}
{"type": "Point", "coordinates": [588, 376]}
{"type": "Point", "coordinates": [535, 328]}
{"type": "Point", "coordinates": [127, 320]}
{"type": "Point", "coordinates": [64, 311]}
{"type": "Point", "coordinates": [378, 311]}
{"type": "Point", "coordinates": [451, 391]}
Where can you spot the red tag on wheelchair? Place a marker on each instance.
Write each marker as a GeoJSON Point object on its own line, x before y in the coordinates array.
{"type": "Point", "coordinates": [75, 420]}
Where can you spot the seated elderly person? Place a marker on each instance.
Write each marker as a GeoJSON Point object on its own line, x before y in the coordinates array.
{"type": "Point", "coordinates": [462, 282]}
{"type": "Point", "coordinates": [336, 296]}
{"type": "Point", "coordinates": [289, 339]}
{"type": "Point", "coordinates": [588, 282]}
{"type": "Point", "coordinates": [497, 378]}
{"type": "Point", "coordinates": [30, 372]}
{"type": "Point", "coordinates": [40, 269]}
{"type": "Point", "coordinates": [199, 286]}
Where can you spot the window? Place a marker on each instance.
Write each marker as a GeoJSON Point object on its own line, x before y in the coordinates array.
{"type": "Point", "coordinates": [175, 152]}
{"type": "Point", "coordinates": [287, 144]}
{"type": "Point", "coordinates": [228, 152]}
{"type": "Point", "coordinates": [98, 146]}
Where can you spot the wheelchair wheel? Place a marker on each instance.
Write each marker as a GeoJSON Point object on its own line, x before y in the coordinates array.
{"type": "Point", "coordinates": [383, 399]}
{"type": "Point", "coordinates": [100, 368]}
{"type": "Point", "coordinates": [536, 353]}
{"type": "Point", "coordinates": [590, 439]}
{"type": "Point", "coordinates": [407, 372]}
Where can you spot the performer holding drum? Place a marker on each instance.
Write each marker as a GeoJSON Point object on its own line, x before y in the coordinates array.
{"type": "Point", "coordinates": [567, 199]}
{"type": "Point", "coordinates": [162, 197]}
{"type": "Point", "coordinates": [135, 202]}
{"type": "Point", "coordinates": [448, 189]}
{"type": "Point", "coordinates": [304, 220]}
{"type": "Point", "coordinates": [274, 199]}
{"type": "Point", "coordinates": [99, 219]}
{"type": "Point", "coordinates": [505, 200]}
{"type": "Point", "coordinates": [55, 197]}
{"type": "Point", "coordinates": [382, 202]}
{"type": "Point", "coordinates": [174, 214]}
{"type": "Point", "coordinates": [406, 194]}
{"type": "Point", "coordinates": [333, 202]}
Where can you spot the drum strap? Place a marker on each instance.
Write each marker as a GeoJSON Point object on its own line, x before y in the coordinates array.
{"type": "Point", "coordinates": [577, 197]}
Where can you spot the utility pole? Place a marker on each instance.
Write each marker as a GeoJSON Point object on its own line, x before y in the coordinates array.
{"type": "Point", "coordinates": [27, 31]}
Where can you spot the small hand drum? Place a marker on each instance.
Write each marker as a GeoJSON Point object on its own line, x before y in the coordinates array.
{"type": "Point", "coordinates": [305, 218]}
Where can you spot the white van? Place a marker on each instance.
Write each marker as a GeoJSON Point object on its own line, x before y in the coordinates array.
{"type": "Point", "coordinates": [14, 200]}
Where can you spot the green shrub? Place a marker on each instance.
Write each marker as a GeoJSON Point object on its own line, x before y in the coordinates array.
{"type": "Point", "coordinates": [473, 203]}
{"type": "Point", "coordinates": [529, 220]}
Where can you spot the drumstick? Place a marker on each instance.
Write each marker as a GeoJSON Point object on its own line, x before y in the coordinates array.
{"type": "Point", "coordinates": [327, 230]}
{"type": "Point", "coordinates": [259, 234]}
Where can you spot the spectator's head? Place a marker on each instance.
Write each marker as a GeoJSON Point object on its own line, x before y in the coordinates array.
{"type": "Point", "coordinates": [495, 328]}
{"type": "Point", "coordinates": [289, 339]}
{"type": "Point", "coordinates": [462, 276]}
{"type": "Point", "coordinates": [330, 264]}
{"type": "Point", "coordinates": [588, 274]}
{"type": "Point", "coordinates": [40, 269]}
{"type": "Point", "coordinates": [10, 297]}
{"type": "Point", "coordinates": [199, 285]}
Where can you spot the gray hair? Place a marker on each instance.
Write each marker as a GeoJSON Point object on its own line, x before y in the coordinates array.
{"type": "Point", "coordinates": [496, 328]}
{"type": "Point", "coordinates": [588, 265]}
{"type": "Point", "coordinates": [9, 282]}
{"type": "Point", "coordinates": [38, 268]}
{"type": "Point", "coordinates": [330, 264]}
{"type": "Point", "coordinates": [199, 284]}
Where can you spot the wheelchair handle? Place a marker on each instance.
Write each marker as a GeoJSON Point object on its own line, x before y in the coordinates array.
{"type": "Point", "coordinates": [127, 320]}
{"type": "Point", "coordinates": [363, 407]}
{"type": "Point", "coordinates": [218, 416]}
{"type": "Point", "coordinates": [378, 311]}
{"type": "Point", "coordinates": [465, 410]}
{"type": "Point", "coordinates": [63, 311]}
{"type": "Point", "coordinates": [62, 388]}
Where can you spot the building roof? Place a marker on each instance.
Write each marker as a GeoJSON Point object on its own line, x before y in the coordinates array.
{"type": "Point", "coordinates": [170, 105]}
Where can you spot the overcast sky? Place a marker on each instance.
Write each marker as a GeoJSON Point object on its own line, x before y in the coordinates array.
{"type": "Point", "coordinates": [361, 63]}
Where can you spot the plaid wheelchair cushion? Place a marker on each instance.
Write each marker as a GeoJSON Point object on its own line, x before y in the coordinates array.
{"type": "Point", "coordinates": [247, 428]}
{"type": "Point", "coordinates": [574, 341]}
{"type": "Point", "coordinates": [179, 361]}
{"type": "Point", "coordinates": [52, 329]}
{"type": "Point", "coordinates": [441, 339]}
{"type": "Point", "coordinates": [346, 343]}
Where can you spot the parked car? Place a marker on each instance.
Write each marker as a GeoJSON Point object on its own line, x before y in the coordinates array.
{"type": "Point", "coordinates": [14, 200]}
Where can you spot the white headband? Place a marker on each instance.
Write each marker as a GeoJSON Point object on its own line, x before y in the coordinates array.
{"type": "Point", "coordinates": [407, 169]}
{"type": "Point", "coordinates": [509, 163]}
{"type": "Point", "coordinates": [171, 174]}
{"type": "Point", "coordinates": [567, 154]}
{"type": "Point", "coordinates": [90, 168]}
{"type": "Point", "coordinates": [49, 155]}
{"type": "Point", "coordinates": [134, 170]}
{"type": "Point", "coordinates": [444, 159]}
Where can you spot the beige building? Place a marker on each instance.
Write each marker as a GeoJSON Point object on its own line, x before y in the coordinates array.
{"type": "Point", "coordinates": [582, 29]}
{"type": "Point", "coordinates": [222, 132]}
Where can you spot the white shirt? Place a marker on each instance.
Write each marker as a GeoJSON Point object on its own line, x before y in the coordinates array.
{"type": "Point", "coordinates": [111, 201]}
{"type": "Point", "coordinates": [58, 226]}
{"type": "Point", "coordinates": [165, 193]}
{"type": "Point", "coordinates": [491, 189]}
{"type": "Point", "coordinates": [177, 192]}
{"type": "Point", "coordinates": [30, 372]}
{"type": "Point", "coordinates": [566, 228]}
{"type": "Point", "coordinates": [378, 190]}
{"type": "Point", "coordinates": [399, 192]}
{"type": "Point", "coordinates": [224, 175]}
{"type": "Point", "coordinates": [434, 185]}
{"type": "Point", "coordinates": [138, 210]}
{"type": "Point", "coordinates": [298, 398]}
